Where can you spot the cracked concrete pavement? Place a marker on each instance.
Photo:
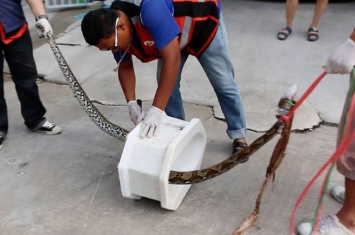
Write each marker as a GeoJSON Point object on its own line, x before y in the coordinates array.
{"type": "Point", "coordinates": [68, 184]}
{"type": "Point", "coordinates": [281, 63]}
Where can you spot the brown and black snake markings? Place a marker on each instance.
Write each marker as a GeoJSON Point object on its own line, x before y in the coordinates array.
{"type": "Point", "coordinates": [175, 177]}
{"type": "Point", "coordinates": [192, 177]}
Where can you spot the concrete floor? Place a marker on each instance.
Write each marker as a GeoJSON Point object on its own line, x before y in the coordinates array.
{"type": "Point", "coordinates": [68, 184]}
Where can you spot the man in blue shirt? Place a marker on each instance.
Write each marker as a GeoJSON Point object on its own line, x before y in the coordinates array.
{"type": "Point", "coordinates": [170, 31]}
{"type": "Point", "coordinates": [16, 48]}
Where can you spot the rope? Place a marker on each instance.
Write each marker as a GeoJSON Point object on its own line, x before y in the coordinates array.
{"type": "Point", "coordinates": [346, 140]}
{"type": "Point", "coordinates": [286, 118]}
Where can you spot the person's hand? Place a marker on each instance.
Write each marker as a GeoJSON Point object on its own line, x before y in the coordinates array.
{"type": "Point", "coordinates": [135, 112]}
{"type": "Point", "coordinates": [43, 28]}
{"type": "Point", "coordinates": [151, 123]}
{"type": "Point", "coordinates": [342, 60]}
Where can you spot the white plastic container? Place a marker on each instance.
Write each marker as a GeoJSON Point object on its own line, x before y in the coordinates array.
{"type": "Point", "coordinates": [145, 163]}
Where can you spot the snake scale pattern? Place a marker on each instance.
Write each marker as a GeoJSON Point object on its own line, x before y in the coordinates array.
{"type": "Point", "coordinates": [95, 115]}
{"type": "Point", "coordinates": [175, 177]}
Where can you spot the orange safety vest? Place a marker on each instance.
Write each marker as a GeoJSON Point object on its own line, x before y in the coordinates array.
{"type": "Point", "coordinates": [197, 19]}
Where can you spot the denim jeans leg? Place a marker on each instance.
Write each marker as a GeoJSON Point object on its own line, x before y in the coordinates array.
{"type": "Point", "coordinates": [19, 56]}
{"type": "Point", "coordinates": [219, 69]}
{"type": "Point", "coordinates": [4, 126]}
{"type": "Point", "coordinates": [175, 107]}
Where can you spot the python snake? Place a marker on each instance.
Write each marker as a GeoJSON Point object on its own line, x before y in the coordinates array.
{"type": "Point", "coordinates": [175, 177]}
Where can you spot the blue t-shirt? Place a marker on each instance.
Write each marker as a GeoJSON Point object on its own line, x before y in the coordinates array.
{"type": "Point", "coordinates": [11, 15]}
{"type": "Point", "coordinates": [157, 17]}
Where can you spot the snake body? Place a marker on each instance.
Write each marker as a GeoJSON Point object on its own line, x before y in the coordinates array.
{"type": "Point", "coordinates": [175, 177]}
{"type": "Point", "coordinates": [95, 115]}
{"type": "Point", "coordinates": [198, 176]}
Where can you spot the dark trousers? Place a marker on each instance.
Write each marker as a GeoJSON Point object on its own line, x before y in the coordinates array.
{"type": "Point", "coordinates": [19, 57]}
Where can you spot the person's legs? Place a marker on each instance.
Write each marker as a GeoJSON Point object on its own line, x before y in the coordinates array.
{"type": "Point", "coordinates": [175, 107]}
{"type": "Point", "coordinates": [346, 214]}
{"type": "Point", "coordinates": [19, 57]}
{"type": "Point", "coordinates": [346, 167]}
{"type": "Point", "coordinates": [220, 72]}
{"type": "Point", "coordinates": [319, 9]}
{"type": "Point", "coordinates": [291, 8]}
{"type": "Point", "coordinates": [3, 108]}
{"type": "Point", "coordinates": [344, 221]}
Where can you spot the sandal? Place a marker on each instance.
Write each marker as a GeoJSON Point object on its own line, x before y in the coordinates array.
{"type": "Point", "coordinates": [312, 34]}
{"type": "Point", "coordinates": [283, 35]}
{"type": "Point", "coordinates": [237, 147]}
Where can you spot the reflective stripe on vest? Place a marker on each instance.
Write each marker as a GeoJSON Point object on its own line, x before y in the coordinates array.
{"type": "Point", "coordinates": [198, 22]}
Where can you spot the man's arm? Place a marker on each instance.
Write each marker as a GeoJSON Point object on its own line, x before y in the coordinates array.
{"type": "Point", "coordinates": [42, 24]}
{"type": "Point", "coordinates": [127, 79]}
{"type": "Point", "coordinates": [164, 29]}
{"type": "Point", "coordinates": [37, 7]}
{"type": "Point", "coordinates": [171, 63]}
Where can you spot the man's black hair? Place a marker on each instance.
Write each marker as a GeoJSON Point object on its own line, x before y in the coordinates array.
{"type": "Point", "coordinates": [98, 24]}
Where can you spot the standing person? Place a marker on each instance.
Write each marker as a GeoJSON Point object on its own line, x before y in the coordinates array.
{"type": "Point", "coordinates": [16, 48]}
{"type": "Point", "coordinates": [341, 61]}
{"type": "Point", "coordinates": [170, 31]}
{"type": "Point", "coordinates": [291, 7]}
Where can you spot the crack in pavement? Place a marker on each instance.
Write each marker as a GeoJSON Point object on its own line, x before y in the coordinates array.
{"type": "Point", "coordinates": [299, 131]}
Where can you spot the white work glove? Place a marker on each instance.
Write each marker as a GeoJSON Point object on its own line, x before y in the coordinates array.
{"type": "Point", "coordinates": [135, 112]}
{"type": "Point", "coordinates": [151, 122]}
{"type": "Point", "coordinates": [43, 28]}
{"type": "Point", "coordinates": [342, 60]}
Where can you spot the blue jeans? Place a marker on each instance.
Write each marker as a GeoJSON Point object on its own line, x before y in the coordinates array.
{"type": "Point", "coordinates": [217, 65]}
{"type": "Point", "coordinates": [19, 57]}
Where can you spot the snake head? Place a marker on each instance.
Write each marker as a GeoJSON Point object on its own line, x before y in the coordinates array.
{"type": "Point", "coordinates": [287, 101]}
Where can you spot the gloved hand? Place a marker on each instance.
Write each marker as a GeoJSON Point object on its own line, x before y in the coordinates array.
{"type": "Point", "coordinates": [342, 60]}
{"type": "Point", "coordinates": [135, 112]}
{"type": "Point", "coordinates": [43, 28]}
{"type": "Point", "coordinates": [151, 122]}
